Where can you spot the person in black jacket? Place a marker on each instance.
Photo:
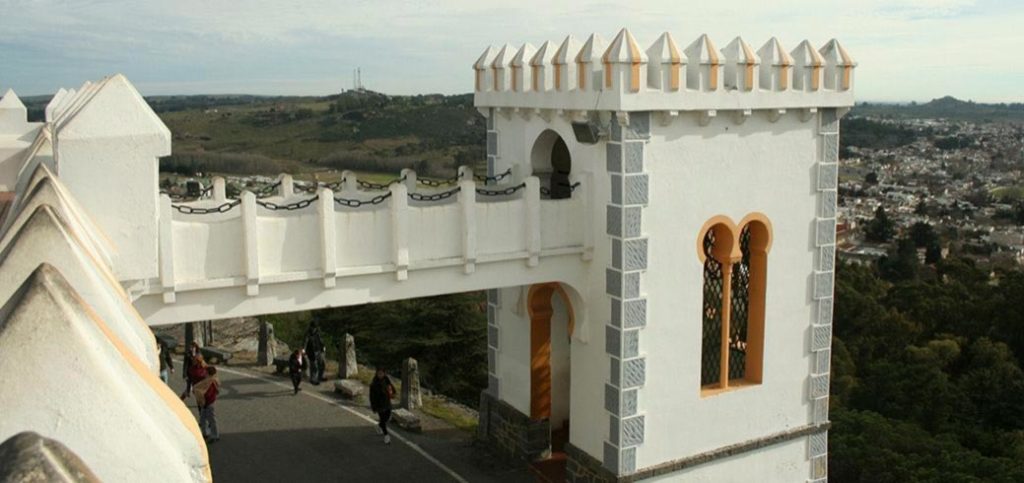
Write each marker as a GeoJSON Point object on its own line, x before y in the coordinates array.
{"type": "Point", "coordinates": [315, 347]}
{"type": "Point", "coordinates": [191, 353]}
{"type": "Point", "coordinates": [295, 365]}
{"type": "Point", "coordinates": [381, 392]}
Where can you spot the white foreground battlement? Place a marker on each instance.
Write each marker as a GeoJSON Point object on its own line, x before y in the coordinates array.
{"type": "Point", "coordinates": [60, 298]}
{"type": "Point", "coordinates": [621, 76]}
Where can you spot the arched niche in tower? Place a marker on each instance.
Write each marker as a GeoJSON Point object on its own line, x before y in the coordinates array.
{"type": "Point", "coordinates": [551, 162]}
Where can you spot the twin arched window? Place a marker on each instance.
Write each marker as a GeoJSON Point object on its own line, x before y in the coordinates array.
{"type": "Point", "coordinates": [735, 275]}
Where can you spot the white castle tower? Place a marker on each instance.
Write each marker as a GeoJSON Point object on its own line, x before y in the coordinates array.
{"type": "Point", "coordinates": [656, 233]}
{"type": "Point", "coordinates": [697, 346]}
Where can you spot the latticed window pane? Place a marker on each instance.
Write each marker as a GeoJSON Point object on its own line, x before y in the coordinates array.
{"type": "Point", "coordinates": [740, 310]}
{"type": "Point", "coordinates": [711, 348]}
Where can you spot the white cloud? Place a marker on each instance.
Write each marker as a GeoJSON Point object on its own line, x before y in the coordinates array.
{"type": "Point", "coordinates": [911, 49]}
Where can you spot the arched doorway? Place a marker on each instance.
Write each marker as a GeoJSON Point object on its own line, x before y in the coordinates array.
{"type": "Point", "coordinates": [552, 321]}
{"type": "Point", "coordinates": [552, 163]}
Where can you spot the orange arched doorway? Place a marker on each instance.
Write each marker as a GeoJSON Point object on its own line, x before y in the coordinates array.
{"type": "Point", "coordinates": [541, 309]}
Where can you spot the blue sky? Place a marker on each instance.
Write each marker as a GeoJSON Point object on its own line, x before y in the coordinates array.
{"type": "Point", "coordinates": [906, 50]}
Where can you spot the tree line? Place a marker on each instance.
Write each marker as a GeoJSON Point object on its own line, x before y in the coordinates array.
{"type": "Point", "coordinates": [926, 380]}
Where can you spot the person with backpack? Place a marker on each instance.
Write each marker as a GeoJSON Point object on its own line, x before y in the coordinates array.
{"type": "Point", "coordinates": [206, 392]}
{"type": "Point", "coordinates": [196, 372]}
{"type": "Point", "coordinates": [381, 393]}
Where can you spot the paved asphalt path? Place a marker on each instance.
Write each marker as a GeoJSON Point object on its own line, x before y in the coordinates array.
{"type": "Point", "coordinates": [268, 434]}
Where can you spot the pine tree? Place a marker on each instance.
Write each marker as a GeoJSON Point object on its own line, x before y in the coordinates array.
{"type": "Point", "coordinates": [881, 228]}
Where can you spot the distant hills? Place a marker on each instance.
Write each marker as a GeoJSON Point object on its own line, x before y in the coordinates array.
{"type": "Point", "coordinates": [374, 132]}
{"type": "Point", "coordinates": [944, 108]}
{"type": "Point", "coordinates": [947, 107]}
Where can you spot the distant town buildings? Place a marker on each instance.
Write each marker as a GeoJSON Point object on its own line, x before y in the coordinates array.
{"type": "Point", "coordinates": [962, 178]}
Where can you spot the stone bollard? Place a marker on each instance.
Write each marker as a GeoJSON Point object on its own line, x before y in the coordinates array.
{"type": "Point", "coordinates": [208, 332]}
{"type": "Point", "coordinates": [194, 333]}
{"type": "Point", "coordinates": [28, 456]}
{"type": "Point", "coordinates": [411, 384]}
{"type": "Point", "coordinates": [267, 349]}
{"type": "Point", "coordinates": [347, 358]}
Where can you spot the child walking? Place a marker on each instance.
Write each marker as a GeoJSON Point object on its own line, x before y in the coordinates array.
{"type": "Point", "coordinates": [296, 363]}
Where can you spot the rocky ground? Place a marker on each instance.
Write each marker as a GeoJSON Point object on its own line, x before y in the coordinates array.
{"type": "Point", "coordinates": [239, 336]}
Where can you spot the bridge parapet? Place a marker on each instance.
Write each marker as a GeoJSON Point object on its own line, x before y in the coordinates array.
{"type": "Point", "coordinates": [284, 236]}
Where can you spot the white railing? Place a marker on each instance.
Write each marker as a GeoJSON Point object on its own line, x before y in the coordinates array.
{"type": "Point", "coordinates": [251, 245]}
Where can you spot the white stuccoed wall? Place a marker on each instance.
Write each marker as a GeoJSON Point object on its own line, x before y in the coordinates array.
{"type": "Point", "coordinates": [513, 364]}
{"type": "Point", "coordinates": [733, 170]}
{"type": "Point", "coordinates": [588, 368]}
{"type": "Point", "coordinates": [774, 463]}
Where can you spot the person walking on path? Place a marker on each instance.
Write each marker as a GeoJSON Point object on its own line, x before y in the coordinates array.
{"type": "Point", "coordinates": [206, 392]}
{"type": "Point", "coordinates": [191, 354]}
{"type": "Point", "coordinates": [296, 363]}
{"type": "Point", "coordinates": [381, 393]}
{"type": "Point", "coordinates": [315, 347]}
{"type": "Point", "coordinates": [166, 363]}
{"type": "Point", "coordinates": [196, 372]}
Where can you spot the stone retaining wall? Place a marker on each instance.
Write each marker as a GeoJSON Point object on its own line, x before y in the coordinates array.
{"type": "Point", "coordinates": [580, 467]}
{"type": "Point", "coordinates": [511, 433]}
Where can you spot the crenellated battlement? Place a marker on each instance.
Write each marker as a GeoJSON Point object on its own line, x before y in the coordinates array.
{"type": "Point", "coordinates": [576, 77]}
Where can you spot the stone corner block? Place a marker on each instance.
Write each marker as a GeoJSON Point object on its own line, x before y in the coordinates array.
{"type": "Point", "coordinates": [629, 314]}
{"type": "Point", "coordinates": [821, 337]}
{"type": "Point", "coordinates": [828, 176]}
{"type": "Point", "coordinates": [817, 444]}
{"type": "Point", "coordinates": [639, 127]}
{"type": "Point", "coordinates": [823, 284]}
{"type": "Point", "coordinates": [819, 386]}
{"type": "Point", "coordinates": [825, 231]}
{"type": "Point", "coordinates": [622, 285]}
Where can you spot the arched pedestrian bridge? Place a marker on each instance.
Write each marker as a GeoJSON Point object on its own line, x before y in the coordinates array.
{"type": "Point", "coordinates": [304, 247]}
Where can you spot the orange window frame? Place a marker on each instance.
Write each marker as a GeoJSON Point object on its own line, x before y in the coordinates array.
{"type": "Point", "coordinates": [727, 252]}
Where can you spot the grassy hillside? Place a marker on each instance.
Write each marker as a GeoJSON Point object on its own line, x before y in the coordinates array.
{"type": "Point", "coordinates": [359, 130]}
{"type": "Point", "coordinates": [356, 130]}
